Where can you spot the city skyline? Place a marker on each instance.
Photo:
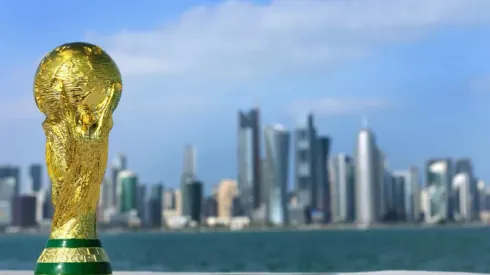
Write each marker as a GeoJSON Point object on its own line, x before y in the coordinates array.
{"type": "Point", "coordinates": [419, 75]}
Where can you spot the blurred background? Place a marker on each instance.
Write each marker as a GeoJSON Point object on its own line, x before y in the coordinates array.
{"type": "Point", "coordinates": [287, 135]}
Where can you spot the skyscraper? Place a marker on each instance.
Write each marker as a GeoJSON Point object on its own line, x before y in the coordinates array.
{"type": "Point", "coordinates": [24, 211]}
{"type": "Point", "coordinates": [438, 180]}
{"type": "Point", "coordinates": [462, 197]}
{"type": "Point", "coordinates": [381, 166]}
{"type": "Point", "coordinates": [415, 184]}
{"type": "Point", "coordinates": [367, 171]}
{"type": "Point", "coordinates": [465, 165]}
{"type": "Point", "coordinates": [7, 189]}
{"type": "Point", "coordinates": [249, 164]}
{"type": "Point", "coordinates": [8, 171]}
{"type": "Point", "coordinates": [35, 174]}
{"type": "Point", "coordinates": [188, 177]}
{"type": "Point", "coordinates": [195, 198]}
{"type": "Point", "coordinates": [190, 161]}
{"type": "Point", "coordinates": [227, 191]}
{"type": "Point", "coordinates": [119, 164]}
{"type": "Point", "coordinates": [48, 209]}
{"type": "Point", "coordinates": [342, 188]}
{"type": "Point", "coordinates": [105, 195]}
{"type": "Point", "coordinates": [306, 163]}
{"type": "Point", "coordinates": [323, 190]}
{"type": "Point", "coordinates": [277, 163]}
{"type": "Point", "coordinates": [154, 203]}
{"type": "Point", "coordinates": [140, 202]}
{"type": "Point", "coordinates": [400, 180]}
{"type": "Point", "coordinates": [128, 191]}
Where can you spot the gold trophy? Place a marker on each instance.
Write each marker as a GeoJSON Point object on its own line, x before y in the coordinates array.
{"type": "Point", "coordinates": [77, 86]}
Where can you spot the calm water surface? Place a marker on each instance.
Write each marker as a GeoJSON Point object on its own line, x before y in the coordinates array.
{"type": "Point", "coordinates": [442, 249]}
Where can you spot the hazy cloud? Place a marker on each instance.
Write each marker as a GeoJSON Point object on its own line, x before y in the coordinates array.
{"type": "Point", "coordinates": [242, 39]}
{"type": "Point", "coordinates": [329, 106]}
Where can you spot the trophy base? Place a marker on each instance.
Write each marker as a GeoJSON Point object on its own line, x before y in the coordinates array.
{"type": "Point", "coordinates": [73, 257]}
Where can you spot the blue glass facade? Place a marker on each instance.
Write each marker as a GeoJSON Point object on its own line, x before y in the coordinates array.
{"type": "Point", "coordinates": [277, 163]}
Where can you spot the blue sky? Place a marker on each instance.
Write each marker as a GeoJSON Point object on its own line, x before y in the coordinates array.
{"type": "Point", "coordinates": [419, 70]}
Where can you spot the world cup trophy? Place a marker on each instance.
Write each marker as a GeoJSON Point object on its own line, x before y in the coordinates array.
{"type": "Point", "coordinates": [77, 86]}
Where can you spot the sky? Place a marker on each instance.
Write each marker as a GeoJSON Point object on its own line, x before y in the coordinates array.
{"type": "Point", "coordinates": [419, 70]}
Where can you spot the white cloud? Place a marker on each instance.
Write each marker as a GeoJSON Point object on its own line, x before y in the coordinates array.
{"type": "Point", "coordinates": [239, 38]}
{"type": "Point", "coordinates": [329, 106]}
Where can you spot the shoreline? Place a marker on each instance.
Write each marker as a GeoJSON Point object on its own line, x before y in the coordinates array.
{"type": "Point", "coordinates": [329, 227]}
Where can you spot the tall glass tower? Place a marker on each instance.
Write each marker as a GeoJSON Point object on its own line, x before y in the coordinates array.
{"type": "Point", "coordinates": [35, 174]}
{"type": "Point", "coordinates": [368, 193]}
{"type": "Point", "coordinates": [119, 164]}
{"type": "Point", "coordinates": [465, 165]}
{"type": "Point", "coordinates": [11, 172]}
{"type": "Point", "coordinates": [323, 179]}
{"type": "Point", "coordinates": [188, 177]}
{"type": "Point", "coordinates": [343, 195]}
{"type": "Point", "coordinates": [276, 167]}
{"type": "Point", "coordinates": [249, 164]}
{"type": "Point", "coordinates": [306, 163]}
{"type": "Point", "coordinates": [438, 180]}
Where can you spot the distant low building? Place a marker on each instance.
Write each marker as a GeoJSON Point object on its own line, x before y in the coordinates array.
{"type": "Point", "coordinates": [24, 211]}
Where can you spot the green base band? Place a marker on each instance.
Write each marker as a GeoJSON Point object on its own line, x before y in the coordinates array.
{"type": "Point", "coordinates": [73, 243]}
{"type": "Point", "coordinates": [73, 269]}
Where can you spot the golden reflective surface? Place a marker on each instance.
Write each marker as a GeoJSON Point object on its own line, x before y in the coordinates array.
{"type": "Point", "coordinates": [73, 255]}
{"type": "Point", "coordinates": [77, 86]}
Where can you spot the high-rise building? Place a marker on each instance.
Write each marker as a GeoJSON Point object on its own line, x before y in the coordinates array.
{"type": "Point", "coordinates": [7, 192]}
{"type": "Point", "coordinates": [227, 191]}
{"type": "Point", "coordinates": [465, 165]}
{"type": "Point", "coordinates": [400, 181]}
{"type": "Point", "coordinates": [195, 197]}
{"type": "Point", "coordinates": [105, 195]}
{"type": "Point", "coordinates": [342, 188]}
{"type": "Point", "coordinates": [323, 190]}
{"type": "Point", "coordinates": [178, 202]}
{"type": "Point", "coordinates": [389, 194]}
{"type": "Point", "coordinates": [438, 181]}
{"type": "Point", "coordinates": [8, 171]}
{"type": "Point", "coordinates": [7, 189]}
{"type": "Point", "coordinates": [277, 164]}
{"type": "Point", "coordinates": [210, 207]}
{"type": "Point", "coordinates": [381, 166]}
{"type": "Point", "coordinates": [415, 184]}
{"type": "Point", "coordinates": [119, 164]}
{"type": "Point", "coordinates": [41, 198]}
{"type": "Point", "coordinates": [140, 202]}
{"type": "Point", "coordinates": [154, 202]}
{"type": "Point", "coordinates": [190, 161]}
{"type": "Point", "coordinates": [249, 164]}
{"type": "Point", "coordinates": [24, 211]}
{"type": "Point", "coordinates": [188, 177]}
{"type": "Point", "coordinates": [306, 163]}
{"type": "Point", "coordinates": [128, 191]}
{"type": "Point", "coordinates": [462, 197]}
{"type": "Point", "coordinates": [5, 214]}
{"type": "Point", "coordinates": [169, 199]}
{"type": "Point", "coordinates": [48, 209]}
{"type": "Point", "coordinates": [367, 179]}
{"type": "Point", "coordinates": [35, 176]}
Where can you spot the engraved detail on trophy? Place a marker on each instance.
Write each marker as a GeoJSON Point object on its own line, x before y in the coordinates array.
{"type": "Point", "coordinates": [77, 86]}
